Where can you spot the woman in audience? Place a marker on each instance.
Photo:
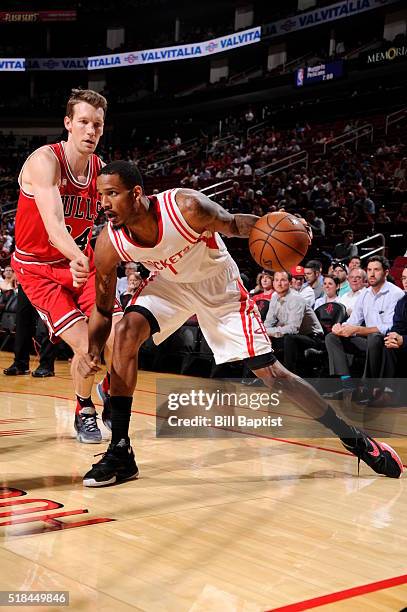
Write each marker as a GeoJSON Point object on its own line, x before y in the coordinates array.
{"type": "Point", "coordinates": [133, 282]}
{"type": "Point", "coordinates": [331, 286]}
{"type": "Point", "coordinates": [8, 280]}
{"type": "Point", "coordinates": [262, 298]}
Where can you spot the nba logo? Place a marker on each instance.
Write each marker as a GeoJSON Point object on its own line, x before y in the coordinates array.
{"type": "Point", "coordinates": [300, 77]}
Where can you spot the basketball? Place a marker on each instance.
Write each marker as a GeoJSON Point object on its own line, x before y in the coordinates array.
{"type": "Point", "coordinates": [278, 241]}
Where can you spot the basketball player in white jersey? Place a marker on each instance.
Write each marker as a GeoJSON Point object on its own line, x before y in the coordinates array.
{"type": "Point", "coordinates": [175, 235]}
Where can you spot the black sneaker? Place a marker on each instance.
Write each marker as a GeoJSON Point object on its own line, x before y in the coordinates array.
{"type": "Point", "coordinates": [381, 457]}
{"type": "Point", "coordinates": [117, 464]}
{"type": "Point", "coordinates": [14, 370]}
{"type": "Point", "coordinates": [42, 373]}
{"type": "Point", "coordinates": [107, 408]}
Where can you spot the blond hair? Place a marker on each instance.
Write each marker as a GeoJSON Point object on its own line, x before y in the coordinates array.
{"type": "Point", "coordinates": [93, 98]}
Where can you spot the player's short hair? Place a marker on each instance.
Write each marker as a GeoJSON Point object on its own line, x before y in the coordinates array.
{"type": "Point", "coordinates": [85, 95]}
{"type": "Point", "coordinates": [129, 174]}
{"type": "Point", "coordinates": [382, 260]}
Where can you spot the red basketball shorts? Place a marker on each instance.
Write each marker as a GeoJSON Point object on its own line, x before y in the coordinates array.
{"type": "Point", "coordinates": [50, 290]}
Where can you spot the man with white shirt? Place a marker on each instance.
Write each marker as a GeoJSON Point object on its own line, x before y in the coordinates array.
{"type": "Point", "coordinates": [129, 268]}
{"type": "Point", "coordinates": [297, 283]}
{"type": "Point", "coordinates": [290, 323]}
{"type": "Point", "coordinates": [356, 279]}
{"type": "Point", "coordinates": [375, 309]}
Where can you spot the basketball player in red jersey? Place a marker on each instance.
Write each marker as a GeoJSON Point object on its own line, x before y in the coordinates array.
{"type": "Point", "coordinates": [174, 235]}
{"type": "Point", "coordinates": [53, 259]}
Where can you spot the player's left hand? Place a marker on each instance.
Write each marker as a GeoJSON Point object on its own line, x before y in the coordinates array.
{"type": "Point", "coordinates": [88, 365]}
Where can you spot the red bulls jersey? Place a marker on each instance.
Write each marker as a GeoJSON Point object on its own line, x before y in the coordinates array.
{"type": "Point", "coordinates": [81, 206]}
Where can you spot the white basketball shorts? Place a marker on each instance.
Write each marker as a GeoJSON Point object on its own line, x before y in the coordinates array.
{"type": "Point", "coordinates": [228, 318]}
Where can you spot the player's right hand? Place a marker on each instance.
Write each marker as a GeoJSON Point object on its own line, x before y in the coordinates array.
{"type": "Point", "coordinates": [88, 365]}
{"type": "Point", "coordinates": [79, 270]}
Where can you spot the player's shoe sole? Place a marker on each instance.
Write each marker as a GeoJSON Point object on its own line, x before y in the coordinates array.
{"type": "Point", "coordinates": [91, 482]}
{"type": "Point", "coordinates": [117, 464]}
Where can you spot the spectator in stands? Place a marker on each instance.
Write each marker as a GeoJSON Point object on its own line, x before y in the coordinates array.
{"type": "Point", "coordinates": [356, 279]}
{"type": "Point", "coordinates": [394, 354]}
{"type": "Point", "coordinates": [290, 322]}
{"type": "Point", "coordinates": [7, 244]}
{"type": "Point", "coordinates": [401, 171]}
{"type": "Point", "coordinates": [312, 273]}
{"type": "Point", "coordinates": [341, 272]}
{"type": "Point", "coordinates": [346, 250]}
{"type": "Point", "coordinates": [382, 217]}
{"type": "Point", "coordinates": [363, 333]}
{"type": "Point", "coordinates": [27, 324]}
{"type": "Point", "coordinates": [298, 284]}
{"type": "Point", "coordinates": [355, 262]}
{"type": "Point", "coordinates": [262, 298]}
{"type": "Point", "coordinates": [133, 283]}
{"type": "Point", "coordinates": [249, 116]}
{"type": "Point", "coordinates": [316, 223]}
{"type": "Point", "coordinates": [257, 288]}
{"type": "Point", "coordinates": [122, 283]}
{"type": "Point", "coordinates": [8, 280]}
{"type": "Point", "coordinates": [331, 287]}
{"type": "Point", "coordinates": [402, 216]}
{"type": "Point", "coordinates": [365, 207]}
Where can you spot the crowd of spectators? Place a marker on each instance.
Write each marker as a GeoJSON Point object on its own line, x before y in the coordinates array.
{"type": "Point", "coordinates": [344, 195]}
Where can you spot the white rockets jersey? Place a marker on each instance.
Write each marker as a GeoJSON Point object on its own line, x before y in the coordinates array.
{"type": "Point", "coordinates": [181, 255]}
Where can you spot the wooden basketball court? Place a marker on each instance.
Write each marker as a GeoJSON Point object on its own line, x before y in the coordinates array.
{"type": "Point", "coordinates": [239, 524]}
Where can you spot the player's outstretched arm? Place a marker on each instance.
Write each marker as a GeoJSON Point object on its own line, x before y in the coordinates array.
{"type": "Point", "coordinates": [202, 214]}
{"type": "Point", "coordinates": [43, 173]}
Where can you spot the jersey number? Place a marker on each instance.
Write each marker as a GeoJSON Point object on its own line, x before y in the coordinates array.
{"type": "Point", "coordinates": [82, 239]}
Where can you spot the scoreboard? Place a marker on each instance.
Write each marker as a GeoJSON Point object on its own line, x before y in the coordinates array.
{"type": "Point", "coordinates": [315, 74]}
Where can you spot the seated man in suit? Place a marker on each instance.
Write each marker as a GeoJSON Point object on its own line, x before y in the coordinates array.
{"type": "Point", "coordinates": [394, 358]}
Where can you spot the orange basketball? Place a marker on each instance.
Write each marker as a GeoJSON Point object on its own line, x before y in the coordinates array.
{"type": "Point", "coordinates": [278, 241]}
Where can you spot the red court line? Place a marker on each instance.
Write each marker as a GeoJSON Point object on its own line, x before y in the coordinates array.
{"type": "Point", "coordinates": [341, 595]}
{"type": "Point", "coordinates": [291, 416]}
{"type": "Point", "coordinates": [246, 433]}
